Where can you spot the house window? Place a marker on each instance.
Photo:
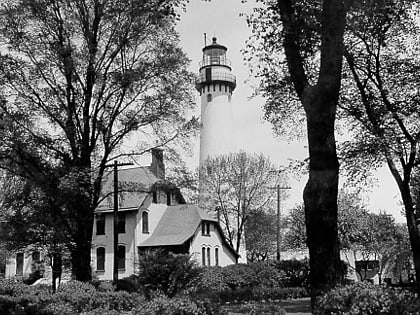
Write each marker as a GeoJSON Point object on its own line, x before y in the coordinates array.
{"type": "Point", "coordinates": [203, 256]}
{"type": "Point", "coordinates": [208, 256]}
{"type": "Point", "coordinates": [121, 257]}
{"type": "Point", "coordinates": [100, 259]}
{"type": "Point", "coordinates": [145, 222]}
{"type": "Point", "coordinates": [154, 197]}
{"type": "Point", "coordinates": [19, 263]}
{"type": "Point", "coordinates": [121, 223]}
{"type": "Point", "coordinates": [205, 228]}
{"type": "Point", "coordinates": [216, 256]}
{"type": "Point", "coordinates": [209, 98]}
{"type": "Point", "coordinates": [100, 224]}
{"type": "Point", "coordinates": [168, 198]}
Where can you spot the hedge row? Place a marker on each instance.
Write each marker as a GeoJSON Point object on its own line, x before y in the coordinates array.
{"type": "Point", "coordinates": [365, 298]}
{"type": "Point", "coordinates": [82, 298]}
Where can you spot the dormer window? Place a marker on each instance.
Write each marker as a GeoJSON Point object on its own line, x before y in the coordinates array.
{"type": "Point", "coordinates": [205, 228]}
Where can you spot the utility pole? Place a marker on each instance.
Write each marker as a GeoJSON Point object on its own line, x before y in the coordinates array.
{"type": "Point", "coordinates": [115, 217]}
{"type": "Point", "coordinates": [279, 188]}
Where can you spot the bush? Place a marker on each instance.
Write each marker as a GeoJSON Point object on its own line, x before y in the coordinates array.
{"type": "Point", "coordinates": [12, 287]}
{"type": "Point", "coordinates": [277, 293]}
{"type": "Point", "coordinates": [129, 284]}
{"type": "Point", "coordinates": [75, 286]}
{"type": "Point", "coordinates": [364, 298]}
{"type": "Point", "coordinates": [163, 305]}
{"type": "Point", "coordinates": [212, 280]}
{"type": "Point", "coordinates": [104, 286]}
{"type": "Point", "coordinates": [239, 276]}
{"type": "Point", "coordinates": [267, 273]}
{"type": "Point", "coordinates": [167, 273]}
{"type": "Point", "coordinates": [295, 273]}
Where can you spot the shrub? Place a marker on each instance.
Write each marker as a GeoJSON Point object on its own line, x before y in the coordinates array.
{"type": "Point", "coordinates": [278, 293]}
{"type": "Point", "coordinates": [364, 298]}
{"type": "Point", "coordinates": [129, 284]}
{"type": "Point", "coordinates": [104, 286]}
{"type": "Point", "coordinates": [295, 273]}
{"type": "Point", "coordinates": [267, 273]}
{"type": "Point", "coordinates": [239, 276]}
{"type": "Point", "coordinates": [212, 280]}
{"type": "Point", "coordinates": [163, 305]}
{"type": "Point", "coordinates": [12, 287]}
{"type": "Point", "coordinates": [75, 286]}
{"type": "Point", "coordinates": [167, 272]}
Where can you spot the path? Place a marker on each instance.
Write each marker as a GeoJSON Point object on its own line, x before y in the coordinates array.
{"type": "Point", "coordinates": [297, 306]}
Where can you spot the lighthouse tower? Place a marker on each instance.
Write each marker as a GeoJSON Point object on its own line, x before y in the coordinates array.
{"type": "Point", "coordinates": [215, 85]}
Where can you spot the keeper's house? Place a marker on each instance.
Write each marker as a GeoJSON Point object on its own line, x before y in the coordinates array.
{"type": "Point", "coordinates": [152, 214]}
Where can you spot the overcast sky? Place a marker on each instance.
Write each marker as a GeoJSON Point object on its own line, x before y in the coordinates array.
{"type": "Point", "coordinates": [221, 18]}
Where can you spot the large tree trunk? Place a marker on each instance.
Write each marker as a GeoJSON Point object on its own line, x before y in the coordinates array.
{"type": "Point", "coordinates": [80, 261]}
{"type": "Point", "coordinates": [413, 231]}
{"type": "Point", "coordinates": [320, 196]}
{"type": "Point", "coordinates": [320, 103]}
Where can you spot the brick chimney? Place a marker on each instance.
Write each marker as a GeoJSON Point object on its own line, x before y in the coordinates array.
{"type": "Point", "coordinates": [157, 167]}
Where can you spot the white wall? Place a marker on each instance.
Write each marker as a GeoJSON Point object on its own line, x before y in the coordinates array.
{"type": "Point", "coordinates": [107, 241]}
{"type": "Point", "coordinates": [131, 239]}
{"type": "Point", "coordinates": [213, 241]}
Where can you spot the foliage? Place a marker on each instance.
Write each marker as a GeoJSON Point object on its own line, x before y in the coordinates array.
{"type": "Point", "coordinates": [238, 184]}
{"type": "Point", "coordinates": [168, 273]}
{"type": "Point", "coordinates": [383, 116]}
{"type": "Point", "coordinates": [258, 293]}
{"type": "Point", "coordinates": [295, 273]}
{"type": "Point", "coordinates": [362, 236]}
{"type": "Point", "coordinates": [256, 281]}
{"type": "Point", "coordinates": [78, 79]}
{"type": "Point", "coordinates": [161, 304]}
{"type": "Point", "coordinates": [261, 231]}
{"type": "Point", "coordinates": [299, 46]}
{"type": "Point", "coordinates": [239, 276]}
{"type": "Point", "coordinates": [253, 308]}
{"type": "Point", "coordinates": [364, 298]}
{"type": "Point", "coordinates": [212, 279]}
{"type": "Point", "coordinates": [71, 298]}
{"type": "Point", "coordinates": [270, 274]}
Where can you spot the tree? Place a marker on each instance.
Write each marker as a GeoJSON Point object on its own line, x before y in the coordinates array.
{"type": "Point", "coordinates": [381, 102]}
{"type": "Point", "coordinates": [363, 236]}
{"type": "Point", "coordinates": [311, 41]}
{"type": "Point", "coordinates": [27, 222]}
{"type": "Point", "coordinates": [78, 78]}
{"type": "Point", "coordinates": [239, 185]}
{"type": "Point", "coordinates": [261, 231]}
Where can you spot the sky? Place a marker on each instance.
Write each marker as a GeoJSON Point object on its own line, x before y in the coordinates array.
{"type": "Point", "coordinates": [221, 18]}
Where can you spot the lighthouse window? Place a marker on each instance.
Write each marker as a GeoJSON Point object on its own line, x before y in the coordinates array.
{"type": "Point", "coordinates": [209, 99]}
{"type": "Point", "coordinates": [220, 87]}
{"type": "Point", "coordinates": [225, 88]}
{"type": "Point", "coordinates": [214, 87]}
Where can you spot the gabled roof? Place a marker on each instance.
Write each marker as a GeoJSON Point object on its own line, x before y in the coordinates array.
{"type": "Point", "coordinates": [134, 184]}
{"type": "Point", "coordinates": [177, 225]}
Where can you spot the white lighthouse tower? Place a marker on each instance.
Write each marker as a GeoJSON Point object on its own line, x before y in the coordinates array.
{"type": "Point", "coordinates": [216, 84]}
